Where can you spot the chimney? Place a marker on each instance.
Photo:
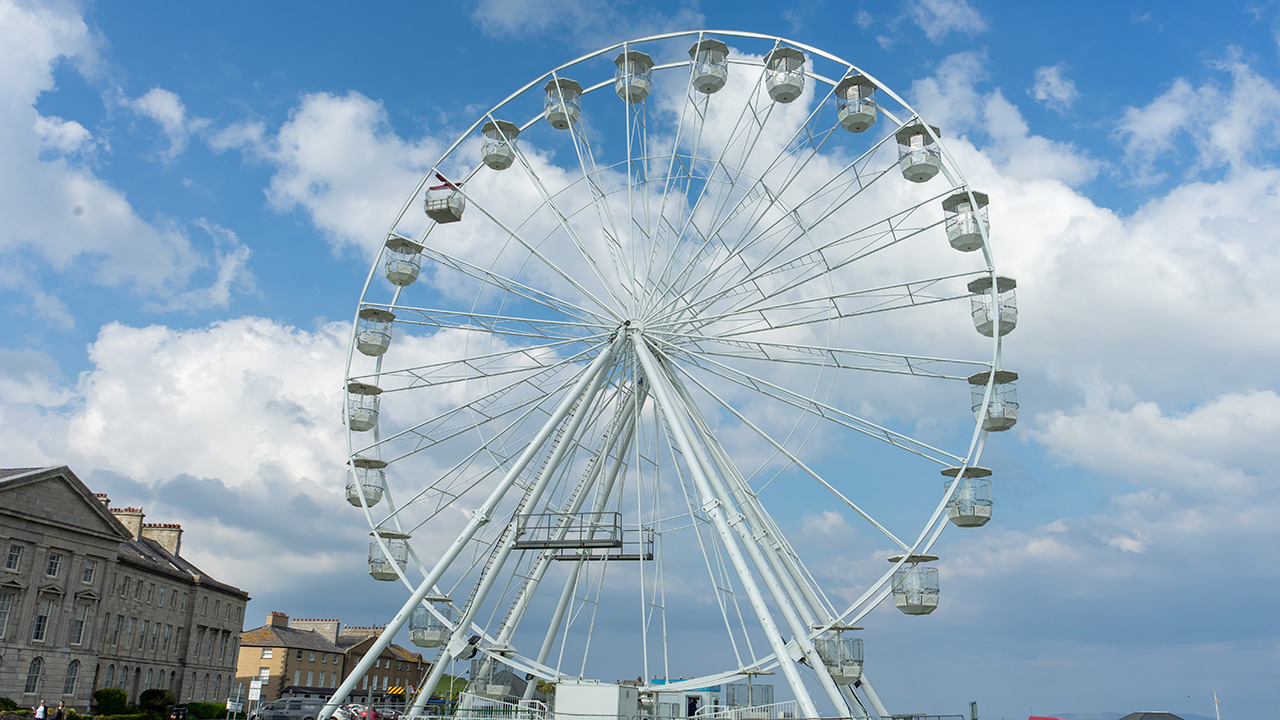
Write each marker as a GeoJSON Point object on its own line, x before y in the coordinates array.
{"type": "Point", "coordinates": [277, 619]}
{"type": "Point", "coordinates": [363, 632]}
{"type": "Point", "coordinates": [102, 498]}
{"type": "Point", "coordinates": [132, 519]}
{"type": "Point", "coordinates": [327, 629]}
{"type": "Point", "coordinates": [169, 535]}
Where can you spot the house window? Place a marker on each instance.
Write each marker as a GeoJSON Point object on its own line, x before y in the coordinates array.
{"type": "Point", "coordinates": [137, 590]}
{"type": "Point", "coordinates": [310, 677]}
{"type": "Point", "coordinates": [55, 563]}
{"type": "Point", "coordinates": [264, 673]}
{"type": "Point", "coordinates": [222, 651]}
{"type": "Point", "coordinates": [217, 687]}
{"type": "Point", "coordinates": [160, 602]}
{"type": "Point", "coordinates": [111, 675]}
{"type": "Point", "coordinates": [77, 626]}
{"type": "Point", "coordinates": [266, 652]}
{"type": "Point", "coordinates": [204, 606]}
{"type": "Point", "coordinates": [124, 586]}
{"type": "Point", "coordinates": [199, 639]}
{"type": "Point", "coordinates": [151, 591]}
{"type": "Point", "coordinates": [40, 627]}
{"type": "Point", "coordinates": [115, 635]}
{"type": "Point", "coordinates": [148, 682]}
{"type": "Point", "coordinates": [90, 570]}
{"type": "Point", "coordinates": [297, 677]}
{"type": "Point", "coordinates": [324, 657]}
{"type": "Point", "coordinates": [14, 560]}
{"type": "Point", "coordinates": [177, 639]}
{"type": "Point", "coordinates": [6, 604]}
{"type": "Point", "coordinates": [313, 657]}
{"type": "Point", "coordinates": [164, 647]}
{"type": "Point", "coordinates": [142, 636]}
{"type": "Point", "coordinates": [155, 635]}
{"type": "Point", "coordinates": [298, 656]}
{"type": "Point", "coordinates": [128, 641]}
{"type": "Point", "coordinates": [33, 675]}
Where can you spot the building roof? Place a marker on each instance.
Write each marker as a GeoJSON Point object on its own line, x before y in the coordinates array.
{"type": "Point", "coordinates": [350, 642]}
{"type": "Point", "coordinates": [287, 637]}
{"type": "Point", "coordinates": [1151, 715]}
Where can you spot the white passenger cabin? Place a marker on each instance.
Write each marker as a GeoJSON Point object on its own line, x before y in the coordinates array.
{"type": "Point", "coordinates": [915, 588]}
{"type": "Point", "coordinates": [984, 310]}
{"type": "Point", "coordinates": [362, 406]}
{"type": "Point", "coordinates": [383, 566]}
{"type": "Point", "coordinates": [366, 478]}
{"type": "Point", "coordinates": [426, 629]}
{"type": "Point", "coordinates": [404, 257]}
{"type": "Point", "coordinates": [856, 103]}
{"type": "Point", "coordinates": [710, 65]}
{"type": "Point", "coordinates": [784, 74]}
{"type": "Point", "coordinates": [373, 331]}
{"type": "Point", "coordinates": [634, 75]}
{"type": "Point", "coordinates": [498, 150]}
{"type": "Point", "coordinates": [444, 203]}
{"type": "Point", "coordinates": [842, 656]}
{"type": "Point", "coordinates": [966, 220]}
{"type": "Point", "coordinates": [970, 506]}
{"type": "Point", "coordinates": [563, 103]}
{"type": "Point", "coordinates": [918, 155]}
{"type": "Point", "coordinates": [1002, 408]}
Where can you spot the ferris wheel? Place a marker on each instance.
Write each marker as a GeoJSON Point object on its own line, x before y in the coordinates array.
{"type": "Point", "coordinates": [663, 347]}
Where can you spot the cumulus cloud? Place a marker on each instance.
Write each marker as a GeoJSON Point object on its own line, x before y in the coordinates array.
{"type": "Point", "coordinates": [940, 18]}
{"type": "Point", "coordinates": [167, 110]}
{"type": "Point", "coordinates": [1053, 89]}
{"type": "Point", "coordinates": [63, 136]}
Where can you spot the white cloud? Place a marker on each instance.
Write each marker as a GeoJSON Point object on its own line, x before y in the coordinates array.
{"type": "Point", "coordinates": [167, 110]}
{"type": "Point", "coordinates": [939, 18]}
{"type": "Point", "coordinates": [58, 213]}
{"type": "Point", "coordinates": [63, 136]}
{"type": "Point", "coordinates": [1053, 89]}
{"type": "Point", "coordinates": [231, 272]}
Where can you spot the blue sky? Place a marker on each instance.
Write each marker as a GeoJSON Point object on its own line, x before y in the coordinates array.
{"type": "Point", "coordinates": [186, 191]}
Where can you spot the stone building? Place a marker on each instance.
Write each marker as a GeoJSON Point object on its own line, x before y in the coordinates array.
{"type": "Point", "coordinates": [92, 597]}
{"type": "Point", "coordinates": [309, 658]}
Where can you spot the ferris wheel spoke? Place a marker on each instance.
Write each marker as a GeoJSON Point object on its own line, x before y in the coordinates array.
{"type": "Point", "coordinates": [834, 358]}
{"type": "Point", "coordinates": [781, 448]}
{"type": "Point", "coordinates": [522, 290]}
{"type": "Point", "coordinates": [563, 220]}
{"type": "Point", "coordinates": [815, 407]}
{"type": "Point", "coordinates": [500, 324]}
{"type": "Point", "coordinates": [515, 360]}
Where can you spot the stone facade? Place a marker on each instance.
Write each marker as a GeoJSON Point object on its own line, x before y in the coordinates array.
{"type": "Point", "coordinates": [92, 597]}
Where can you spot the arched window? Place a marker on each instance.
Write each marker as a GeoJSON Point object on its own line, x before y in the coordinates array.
{"type": "Point", "coordinates": [217, 688]}
{"type": "Point", "coordinates": [111, 675]}
{"type": "Point", "coordinates": [173, 678]}
{"type": "Point", "coordinates": [69, 685]}
{"type": "Point", "coordinates": [124, 676]}
{"type": "Point", "coordinates": [204, 692]}
{"type": "Point", "coordinates": [148, 685]}
{"type": "Point", "coordinates": [33, 675]}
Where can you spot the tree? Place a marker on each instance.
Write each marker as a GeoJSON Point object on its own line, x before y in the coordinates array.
{"type": "Point", "coordinates": [110, 701]}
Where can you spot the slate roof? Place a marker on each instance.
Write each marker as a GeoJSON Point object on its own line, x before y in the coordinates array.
{"type": "Point", "coordinates": [346, 642]}
{"type": "Point", "coordinates": [287, 637]}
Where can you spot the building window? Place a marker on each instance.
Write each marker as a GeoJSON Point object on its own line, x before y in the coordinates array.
{"type": "Point", "coordinates": [324, 657]}
{"type": "Point", "coordinates": [196, 652]}
{"type": "Point", "coordinates": [264, 674]}
{"type": "Point", "coordinates": [177, 639]}
{"type": "Point", "coordinates": [77, 625]}
{"type": "Point", "coordinates": [173, 601]}
{"type": "Point", "coordinates": [310, 677]}
{"type": "Point", "coordinates": [297, 677]}
{"type": "Point", "coordinates": [222, 651]}
{"type": "Point", "coordinates": [160, 602]}
{"type": "Point", "coordinates": [111, 675]}
{"type": "Point", "coordinates": [364, 683]}
{"type": "Point", "coordinates": [204, 606]}
{"type": "Point", "coordinates": [6, 604]}
{"type": "Point", "coordinates": [128, 641]}
{"type": "Point", "coordinates": [142, 636]}
{"type": "Point", "coordinates": [216, 605]}
{"type": "Point", "coordinates": [298, 656]}
{"type": "Point", "coordinates": [14, 560]}
{"type": "Point", "coordinates": [164, 648]}
{"type": "Point", "coordinates": [151, 592]}
{"type": "Point", "coordinates": [137, 590]}
{"type": "Point", "coordinates": [155, 635]}
{"type": "Point", "coordinates": [147, 685]}
{"type": "Point", "coordinates": [40, 627]}
{"type": "Point", "coordinates": [90, 571]}
{"type": "Point", "coordinates": [204, 692]}
{"type": "Point", "coordinates": [33, 675]}
{"type": "Point", "coordinates": [313, 657]}
{"type": "Point", "coordinates": [217, 688]}
{"type": "Point", "coordinates": [115, 634]}
{"type": "Point", "coordinates": [267, 652]}
{"type": "Point", "coordinates": [55, 563]}
{"type": "Point", "coordinates": [184, 601]}
{"type": "Point", "coordinates": [124, 586]}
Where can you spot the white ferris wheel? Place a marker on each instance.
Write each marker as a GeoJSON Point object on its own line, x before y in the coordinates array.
{"type": "Point", "coordinates": [667, 301]}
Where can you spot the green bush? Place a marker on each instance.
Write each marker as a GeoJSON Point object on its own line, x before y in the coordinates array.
{"type": "Point", "coordinates": [206, 711]}
{"type": "Point", "coordinates": [7, 705]}
{"type": "Point", "coordinates": [73, 715]}
{"type": "Point", "coordinates": [110, 701]}
{"type": "Point", "coordinates": [156, 702]}
{"type": "Point", "coordinates": [136, 716]}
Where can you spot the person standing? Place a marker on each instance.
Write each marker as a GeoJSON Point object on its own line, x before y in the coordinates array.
{"type": "Point", "coordinates": [60, 713]}
{"type": "Point", "coordinates": [41, 711]}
